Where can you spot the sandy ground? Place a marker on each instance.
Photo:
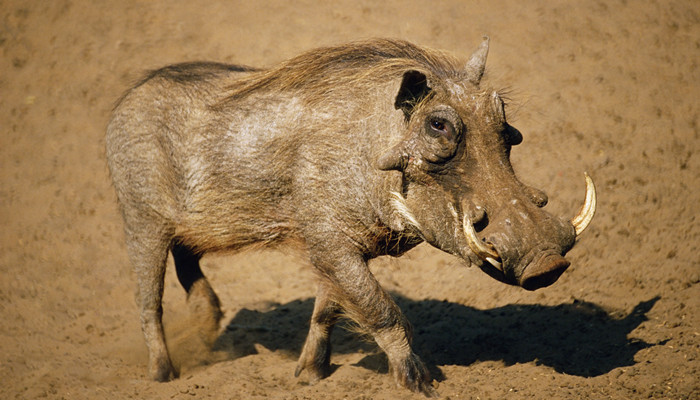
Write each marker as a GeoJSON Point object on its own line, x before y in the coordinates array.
{"type": "Point", "coordinates": [608, 87]}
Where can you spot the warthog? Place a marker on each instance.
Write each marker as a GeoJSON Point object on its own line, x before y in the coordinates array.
{"type": "Point", "coordinates": [351, 152]}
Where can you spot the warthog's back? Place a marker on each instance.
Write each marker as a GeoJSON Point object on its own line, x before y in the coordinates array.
{"type": "Point", "coordinates": [198, 169]}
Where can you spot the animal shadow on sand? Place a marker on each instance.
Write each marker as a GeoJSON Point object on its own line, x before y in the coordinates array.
{"type": "Point", "coordinates": [579, 338]}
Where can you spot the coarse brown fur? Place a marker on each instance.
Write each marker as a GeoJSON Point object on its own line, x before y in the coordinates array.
{"type": "Point", "coordinates": [352, 152]}
{"type": "Point", "coordinates": [324, 71]}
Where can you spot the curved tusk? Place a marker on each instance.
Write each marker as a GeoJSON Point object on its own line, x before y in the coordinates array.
{"type": "Point", "coordinates": [585, 214]}
{"type": "Point", "coordinates": [481, 249]}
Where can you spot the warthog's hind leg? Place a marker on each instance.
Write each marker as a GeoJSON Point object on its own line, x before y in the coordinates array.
{"type": "Point", "coordinates": [203, 303]}
{"type": "Point", "coordinates": [148, 251]}
{"type": "Point", "coordinates": [316, 354]}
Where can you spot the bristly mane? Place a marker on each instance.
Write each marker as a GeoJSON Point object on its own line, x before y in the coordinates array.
{"type": "Point", "coordinates": [319, 71]}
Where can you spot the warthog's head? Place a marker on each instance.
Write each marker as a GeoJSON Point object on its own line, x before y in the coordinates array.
{"type": "Point", "coordinates": [459, 190]}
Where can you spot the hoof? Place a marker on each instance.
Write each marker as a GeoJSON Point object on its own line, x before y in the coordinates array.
{"type": "Point", "coordinates": [412, 374]}
{"type": "Point", "coordinates": [163, 372]}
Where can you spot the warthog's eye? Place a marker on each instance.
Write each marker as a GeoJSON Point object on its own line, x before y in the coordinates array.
{"type": "Point", "coordinates": [440, 127]}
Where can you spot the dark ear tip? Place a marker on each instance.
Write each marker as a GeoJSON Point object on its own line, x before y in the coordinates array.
{"type": "Point", "coordinates": [413, 75]}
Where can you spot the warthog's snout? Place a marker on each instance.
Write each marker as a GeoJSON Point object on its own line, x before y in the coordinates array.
{"type": "Point", "coordinates": [527, 247]}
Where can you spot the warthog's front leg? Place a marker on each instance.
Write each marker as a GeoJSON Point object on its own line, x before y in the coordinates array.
{"type": "Point", "coordinates": [362, 299]}
{"type": "Point", "coordinates": [407, 368]}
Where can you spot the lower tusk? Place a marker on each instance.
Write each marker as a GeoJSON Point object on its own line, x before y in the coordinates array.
{"type": "Point", "coordinates": [481, 249]}
{"type": "Point", "coordinates": [494, 263]}
{"type": "Point", "coordinates": [585, 214]}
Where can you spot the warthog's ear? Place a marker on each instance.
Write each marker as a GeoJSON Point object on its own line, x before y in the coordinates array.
{"type": "Point", "coordinates": [477, 62]}
{"type": "Point", "coordinates": [414, 87]}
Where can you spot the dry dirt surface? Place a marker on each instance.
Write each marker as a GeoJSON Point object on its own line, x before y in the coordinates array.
{"type": "Point", "coordinates": [608, 87]}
